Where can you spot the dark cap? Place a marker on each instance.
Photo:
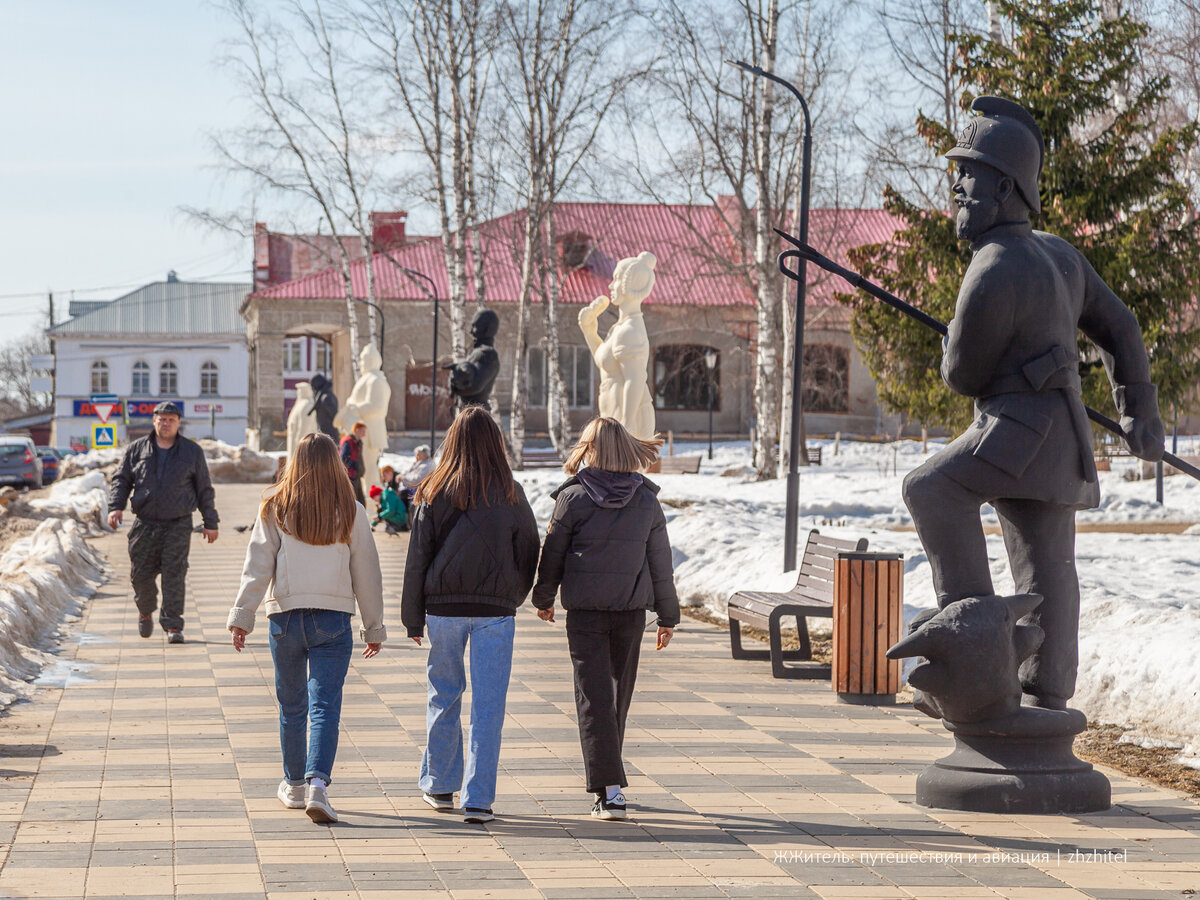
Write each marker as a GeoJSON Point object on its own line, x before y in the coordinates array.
{"type": "Point", "coordinates": [167, 408]}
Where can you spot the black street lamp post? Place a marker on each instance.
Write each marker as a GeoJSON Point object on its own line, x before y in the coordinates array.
{"type": "Point", "coordinates": [431, 292]}
{"type": "Point", "coordinates": [792, 511]}
{"type": "Point", "coordinates": [710, 362]}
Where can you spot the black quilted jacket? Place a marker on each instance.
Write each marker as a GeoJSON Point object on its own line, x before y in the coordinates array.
{"type": "Point", "coordinates": [608, 557]}
{"type": "Point", "coordinates": [488, 558]}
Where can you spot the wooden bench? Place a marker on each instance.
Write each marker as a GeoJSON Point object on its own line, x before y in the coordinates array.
{"type": "Point", "coordinates": [679, 465]}
{"type": "Point", "coordinates": [541, 458]}
{"type": "Point", "coordinates": [812, 596]}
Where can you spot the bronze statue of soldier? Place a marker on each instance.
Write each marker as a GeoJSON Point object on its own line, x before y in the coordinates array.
{"type": "Point", "coordinates": [471, 379]}
{"type": "Point", "coordinates": [1012, 346]}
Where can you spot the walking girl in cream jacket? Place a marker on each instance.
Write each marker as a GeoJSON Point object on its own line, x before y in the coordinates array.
{"type": "Point", "coordinates": [313, 557]}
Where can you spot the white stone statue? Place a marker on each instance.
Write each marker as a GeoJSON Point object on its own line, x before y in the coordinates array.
{"type": "Point", "coordinates": [368, 403]}
{"type": "Point", "coordinates": [624, 354]}
{"type": "Point", "coordinates": [300, 420]}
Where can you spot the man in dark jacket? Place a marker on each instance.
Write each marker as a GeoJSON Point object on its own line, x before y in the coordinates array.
{"type": "Point", "coordinates": [1012, 346]}
{"type": "Point", "coordinates": [324, 405]}
{"type": "Point", "coordinates": [352, 458]}
{"type": "Point", "coordinates": [164, 476]}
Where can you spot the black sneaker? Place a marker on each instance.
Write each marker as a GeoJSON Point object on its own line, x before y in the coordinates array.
{"type": "Point", "coordinates": [440, 802]}
{"type": "Point", "coordinates": [174, 636]}
{"type": "Point", "coordinates": [609, 809]}
{"type": "Point", "coordinates": [145, 626]}
{"type": "Point", "coordinates": [475, 816]}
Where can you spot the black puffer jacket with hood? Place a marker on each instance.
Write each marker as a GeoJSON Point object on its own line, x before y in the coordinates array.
{"type": "Point", "coordinates": [607, 547]}
{"type": "Point", "coordinates": [477, 562]}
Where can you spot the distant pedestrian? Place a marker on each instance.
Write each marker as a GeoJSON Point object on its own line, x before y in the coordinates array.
{"type": "Point", "coordinates": [164, 477]}
{"type": "Point", "coordinates": [313, 557]}
{"type": "Point", "coordinates": [419, 470]}
{"type": "Point", "coordinates": [471, 561]}
{"type": "Point", "coordinates": [352, 458]}
{"type": "Point", "coordinates": [607, 549]}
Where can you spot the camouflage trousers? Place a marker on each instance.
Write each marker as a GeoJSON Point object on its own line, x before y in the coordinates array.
{"type": "Point", "coordinates": [160, 548]}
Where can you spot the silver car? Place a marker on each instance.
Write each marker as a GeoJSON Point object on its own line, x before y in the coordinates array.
{"type": "Point", "coordinates": [19, 461]}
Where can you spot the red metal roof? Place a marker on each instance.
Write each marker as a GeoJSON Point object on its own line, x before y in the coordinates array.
{"type": "Point", "coordinates": [697, 256]}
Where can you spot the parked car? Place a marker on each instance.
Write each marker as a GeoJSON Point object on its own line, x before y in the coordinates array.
{"type": "Point", "coordinates": [50, 457]}
{"type": "Point", "coordinates": [19, 461]}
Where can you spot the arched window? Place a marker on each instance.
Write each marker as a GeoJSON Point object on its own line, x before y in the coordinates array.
{"type": "Point", "coordinates": [208, 380]}
{"type": "Point", "coordinates": [141, 377]}
{"type": "Point", "coordinates": [826, 378]}
{"type": "Point", "coordinates": [168, 378]}
{"type": "Point", "coordinates": [99, 377]}
{"type": "Point", "coordinates": [687, 376]}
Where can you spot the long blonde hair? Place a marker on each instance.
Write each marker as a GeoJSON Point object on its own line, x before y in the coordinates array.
{"type": "Point", "coordinates": [472, 461]}
{"type": "Point", "coordinates": [313, 500]}
{"type": "Point", "coordinates": [605, 443]}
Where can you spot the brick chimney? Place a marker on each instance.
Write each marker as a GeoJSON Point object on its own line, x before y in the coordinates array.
{"type": "Point", "coordinates": [262, 255]}
{"type": "Point", "coordinates": [387, 229]}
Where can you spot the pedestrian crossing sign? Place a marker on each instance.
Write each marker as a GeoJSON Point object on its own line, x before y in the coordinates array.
{"type": "Point", "coordinates": [103, 436]}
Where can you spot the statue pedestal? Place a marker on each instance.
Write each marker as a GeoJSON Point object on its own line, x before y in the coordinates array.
{"type": "Point", "coordinates": [1021, 764]}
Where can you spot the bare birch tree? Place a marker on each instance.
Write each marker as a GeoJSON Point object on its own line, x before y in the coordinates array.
{"type": "Point", "coordinates": [564, 70]}
{"type": "Point", "coordinates": [438, 56]}
{"type": "Point", "coordinates": [304, 143]}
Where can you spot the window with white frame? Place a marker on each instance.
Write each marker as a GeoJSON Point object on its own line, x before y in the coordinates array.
{"type": "Point", "coordinates": [141, 377]}
{"type": "Point", "coordinates": [208, 379]}
{"type": "Point", "coordinates": [168, 378]}
{"type": "Point", "coordinates": [99, 377]}
{"type": "Point", "coordinates": [322, 355]}
{"type": "Point", "coordinates": [575, 367]}
{"type": "Point", "coordinates": [293, 354]}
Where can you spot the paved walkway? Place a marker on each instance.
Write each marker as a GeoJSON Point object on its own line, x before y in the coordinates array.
{"type": "Point", "coordinates": [152, 772]}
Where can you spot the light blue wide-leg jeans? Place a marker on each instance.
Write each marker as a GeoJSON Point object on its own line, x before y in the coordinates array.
{"type": "Point", "coordinates": [442, 765]}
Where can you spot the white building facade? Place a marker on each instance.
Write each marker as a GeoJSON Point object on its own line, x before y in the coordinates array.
{"type": "Point", "coordinates": [174, 340]}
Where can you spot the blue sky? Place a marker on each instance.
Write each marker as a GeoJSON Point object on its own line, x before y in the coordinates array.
{"type": "Point", "coordinates": [105, 109]}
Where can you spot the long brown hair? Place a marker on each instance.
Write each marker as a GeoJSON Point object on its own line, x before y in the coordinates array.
{"type": "Point", "coordinates": [606, 444]}
{"type": "Point", "coordinates": [313, 500]}
{"type": "Point", "coordinates": [472, 461]}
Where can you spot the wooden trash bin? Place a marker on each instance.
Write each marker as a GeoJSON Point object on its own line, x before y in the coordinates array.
{"type": "Point", "coordinates": [868, 613]}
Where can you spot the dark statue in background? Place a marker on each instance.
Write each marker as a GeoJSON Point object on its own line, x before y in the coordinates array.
{"type": "Point", "coordinates": [1012, 346]}
{"type": "Point", "coordinates": [471, 379]}
{"type": "Point", "coordinates": [324, 405]}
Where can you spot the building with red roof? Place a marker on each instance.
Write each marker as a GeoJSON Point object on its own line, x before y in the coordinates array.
{"type": "Point", "coordinates": [703, 300]}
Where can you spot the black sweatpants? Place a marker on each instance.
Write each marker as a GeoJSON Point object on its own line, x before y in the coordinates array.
{"type": "Point", "coordinates": [160, 548]}
{"type": "Point", "coordinates": [605, 647]}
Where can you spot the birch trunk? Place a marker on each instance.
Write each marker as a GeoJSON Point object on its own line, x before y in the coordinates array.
{"type": "Point", "coordinates": [516, 422]}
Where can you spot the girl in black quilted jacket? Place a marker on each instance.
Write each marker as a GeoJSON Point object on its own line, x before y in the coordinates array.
{"type": "Point", "coordinates": [471, 562]}
{"type": "Point", "coordinates": [607, 553]}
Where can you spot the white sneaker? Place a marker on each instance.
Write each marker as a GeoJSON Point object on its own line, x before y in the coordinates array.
{"type": "Point", "coordinates": [316, 804]}
{"type": "Point", "coordinates": [291, 795]}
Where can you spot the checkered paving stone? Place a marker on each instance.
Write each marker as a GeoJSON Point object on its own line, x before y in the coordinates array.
{"type": "Point", "coordinates": [152, 773]}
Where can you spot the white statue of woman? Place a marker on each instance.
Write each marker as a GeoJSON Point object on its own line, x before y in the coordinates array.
{"type": "Point", "coordinates": [368, 403]}
{"type": "Point", "coordinates": [622, 356]}
{"type": "Point", "coordinates": [300, 420]}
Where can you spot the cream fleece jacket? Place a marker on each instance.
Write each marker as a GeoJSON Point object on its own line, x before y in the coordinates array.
{"type": "Point", "coordinates": [295, 575]}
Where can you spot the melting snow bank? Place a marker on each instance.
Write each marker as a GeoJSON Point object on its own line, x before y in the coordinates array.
{"type": "Point", "coordinates": [84, 498]}
{"type": "Point", "coordinates": [44, 578]}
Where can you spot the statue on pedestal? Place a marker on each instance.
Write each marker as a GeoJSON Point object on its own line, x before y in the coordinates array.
{"type": "Point", "coordinates": [471, 379]}
{"type": "Point", "coordinates": [324, 405]}
{"type": "Point", "coordinates": [1012, 347]}
{"type": "Point", "coordinates": [301, 420]}
{"type": "Point", "coordinates": [368, 403]}
{"type": "Point", "coordinates": [624, 354]}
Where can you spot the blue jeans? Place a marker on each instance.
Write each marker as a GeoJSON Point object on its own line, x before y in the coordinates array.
{"type": "Point", "coordinates": [442, 770]}
{"type": "Point", "coordinates": [311, 649]}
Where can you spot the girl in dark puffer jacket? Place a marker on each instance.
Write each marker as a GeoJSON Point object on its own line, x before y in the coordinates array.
{"type": "Point", "coordinates": [607, 549]}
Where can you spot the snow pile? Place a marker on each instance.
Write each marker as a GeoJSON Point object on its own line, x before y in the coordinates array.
{"type": "Point", "coordinates": [78, 463]}
{"type": "Point", "coordinates": [84, 498]}
{"type": "Point", "coordinates": [43, 579]}
{"type": "Point", "coordinates": [230, 464]}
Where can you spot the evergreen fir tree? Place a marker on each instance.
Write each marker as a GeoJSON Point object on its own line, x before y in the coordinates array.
{"type": "Point", "coordinates": [1105, 187]}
